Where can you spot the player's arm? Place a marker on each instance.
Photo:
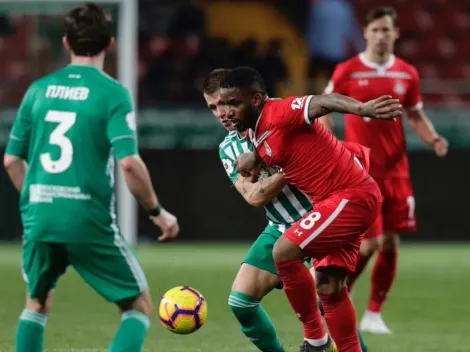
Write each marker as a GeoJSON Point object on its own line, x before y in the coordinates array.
{"type": "Point", "coordinates": [257, 193]}
{"type": "Point", "coordinates": [419, 121]}
{"type": "Point", "coordinates": [261, 192]}
{"type": "Point", "coordinates": [424, 128]}
{"type": "Point", "coordinates": [121, 132]}
{"type": "Point", "coordinates": [384, 107]}
{"type": "Point", "coordinates": [16, 169]}
{"type": "Point", "coordinates": [17, 148]}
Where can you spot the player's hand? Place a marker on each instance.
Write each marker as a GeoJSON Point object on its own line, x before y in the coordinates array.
{"type": "Point", "coordinates": [248, 164]}
{"type": "Point", "coordinates": [441, 146]}
{"type": "Point", "coordinates": [382, 108]}
{"type": "Point", "coordinates": [168, 223]}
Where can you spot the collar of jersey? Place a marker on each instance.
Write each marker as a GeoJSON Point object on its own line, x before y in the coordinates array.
{"type": "Point", "coordinates": [390, 62]}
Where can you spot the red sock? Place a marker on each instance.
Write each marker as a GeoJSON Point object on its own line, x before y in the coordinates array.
{"type": "Point", "coordinates": [341, 319]}
{"type": "Point", "coordinates": [382, 278]}
{"type": "Point", "coordinates": [300, 290]}
{"type": "Point", "coordinates": [360, 266]}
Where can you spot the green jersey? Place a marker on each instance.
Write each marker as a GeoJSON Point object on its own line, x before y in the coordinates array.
{"type": "Point", "coordinates": [288, 207]}
{"type": "Point", "coordinates": [69, 127]}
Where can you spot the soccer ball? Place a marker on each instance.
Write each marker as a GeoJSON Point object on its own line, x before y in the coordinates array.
{"type": "Point", "coordinates": [183, 310]}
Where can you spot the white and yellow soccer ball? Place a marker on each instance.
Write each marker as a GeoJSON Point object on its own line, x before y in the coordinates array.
{"type": "Point", "coordinates": [183, 310]}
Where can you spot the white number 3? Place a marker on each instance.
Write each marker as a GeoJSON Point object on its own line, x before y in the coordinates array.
{"type": "Point", "coordinates": [309, 222]}
{"type": "Point", "coordinates": [65, 120]}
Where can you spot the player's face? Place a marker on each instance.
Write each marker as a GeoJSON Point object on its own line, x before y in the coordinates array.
{"type": "Point", "coordinates": [219, 111]}
{"type": "Point", "coordinates": [242, 107]}
{"type": "Point", "coordinates": [381, 35]}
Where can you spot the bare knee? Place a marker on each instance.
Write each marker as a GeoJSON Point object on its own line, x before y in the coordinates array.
{"type": "Point", "coordinates": [390, 242]}
{"type": "Point", "coordinates": [330, 281]}
{"type": "Point", "coordinates": [254, 282]}
{"type": "Point", "coordinates": [368, 247]}
{"type": "Point", "coordinates": [142, 303]}
{"type": "Point", "coordinates": [40, 305]}
{"type": "Point", "coordinates": [285, 249]}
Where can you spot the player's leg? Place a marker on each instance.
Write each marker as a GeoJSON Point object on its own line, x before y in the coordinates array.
{"type": "Point", "coordinates": [331, 234]}
{"type": "Point", "coordinates": [299, 286]}
{"type": "Point", "coordinates": [399, 216]}
{"type": "Point", "coordinates": [113, 271]}
{"type": "Point", "coordinates": [42, 264]}
{"type": "Point", "coordinates": [364, 347]}
{"type": "Point", "coordinates": [255, 279]}
{"type": "Point", "coordinates": [369, 246]}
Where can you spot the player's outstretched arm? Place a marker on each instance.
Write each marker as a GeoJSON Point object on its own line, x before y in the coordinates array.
{"type": "Point", "coordinates": [16, 169]}
{"type": "Point", "coordinates": [384, 107]}
{"type": "Point", "coordinates": [261, 192]}
{"type": "Point", "coordinates": [138, 180]}
{"type": "Point", "coordinates": [424, 128]}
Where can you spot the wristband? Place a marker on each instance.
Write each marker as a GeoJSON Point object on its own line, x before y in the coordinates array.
{"type": "Point", "coordinates": [156, 211]}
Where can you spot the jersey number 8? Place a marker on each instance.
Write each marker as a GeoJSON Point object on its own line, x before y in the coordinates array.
{"type": "Point", "coordinates": [65, 120]}
{"type": "Point", "coordinates": [309, 221]}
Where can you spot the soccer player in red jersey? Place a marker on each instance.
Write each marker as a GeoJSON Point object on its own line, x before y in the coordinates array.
{"type": "Point", "coordinates": [370, 74]}
{"type": "Point", "coordinates": [287, 135]}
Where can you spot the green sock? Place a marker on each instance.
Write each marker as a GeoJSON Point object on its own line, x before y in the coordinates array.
{"type": "Point", "coordinates": [363, 342]}
{"type": "Point", "coordinates": [30, 332]}
{"type": "Point", "coordinates": [255, 322]}
{"type": "Point", "coordinates": [132, 332]}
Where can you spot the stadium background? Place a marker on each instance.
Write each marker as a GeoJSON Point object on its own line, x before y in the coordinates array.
{"type": "Point", "coordinates": [179, 43]}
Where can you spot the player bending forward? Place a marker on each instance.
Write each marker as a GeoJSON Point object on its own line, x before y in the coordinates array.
{"type": "Point", "coordinates": [372, 73]}
{"type": "Point", "coordinates": [284, 205]}
{"type": "Point", "coordinates": [60, 156]}
{"type": "Point", "coordinates": [346, 199]}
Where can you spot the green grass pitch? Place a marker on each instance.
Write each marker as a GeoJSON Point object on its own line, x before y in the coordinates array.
{"type": "Point", "coordinates": [428, 310]}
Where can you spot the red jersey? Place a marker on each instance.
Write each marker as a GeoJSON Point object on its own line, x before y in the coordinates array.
{"type": "Point", "coordinates": [313, 160]}
{"type": "Point", "coordinates": [364, 80]}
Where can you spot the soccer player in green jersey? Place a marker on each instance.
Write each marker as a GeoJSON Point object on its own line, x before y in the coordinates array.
{"type": "Point", "coordinates": [60, 156]}
{"type": "Point", "coordinates": [283, 204]}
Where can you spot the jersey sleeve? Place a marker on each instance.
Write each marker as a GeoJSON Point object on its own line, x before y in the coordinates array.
{"type": "Point", "coordinates": [19, 140]}
{"type": "Point", "coordinates": [121, 128]}
{"type": "Point", "coordinates": [337, 82]}
{"type": "Point", "coordinates": [295, 111]}
{"type": "Point", "coordinates": [413, 99]}
{"type": "Point", "coordinates": [227, 157]}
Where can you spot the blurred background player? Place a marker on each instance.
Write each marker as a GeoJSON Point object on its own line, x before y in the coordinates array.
{"type": "Point", "coordinates": [375, 72]}
{"type": "Point", "coordinates": [60, 156]}
{"type": "Point", "coordinates": [345, 197]}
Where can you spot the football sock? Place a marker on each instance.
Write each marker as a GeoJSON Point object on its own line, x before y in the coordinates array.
{"type": "Point", "coordinates": [364, 347]}
{"type": "Point", "coordinates": [360, 266]}
{"type": "Point", "coordinates": [299, 286]}
{"type": "Point", "coordinates": [132, 332]}
{"type": "Point", "coordinates": [383, 275]}
{"type": "Point", "coordinates": [255, 322]}
{"type": "Point", "coordinates": [30, 332]}
{"type": "Point", "coordinates": [340, 317]}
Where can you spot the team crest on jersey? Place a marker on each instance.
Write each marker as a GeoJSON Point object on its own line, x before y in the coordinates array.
{"type": "Point", "coordinates": [130, 119]}
{"type": "Point", "coordinates": [228, 165]}
{"type": "Point", "coordinates": [399, 88]}
{"type": "Point", "coordinates": [269, 151]}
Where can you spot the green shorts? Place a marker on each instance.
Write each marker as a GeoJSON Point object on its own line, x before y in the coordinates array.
{"type": "Point", "coordinates": [260, 255]}
{"type": "Point", "coordinates": [112, 269]}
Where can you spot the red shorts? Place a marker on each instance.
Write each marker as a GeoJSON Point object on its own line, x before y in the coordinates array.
{"type": "Point", "coordinates": [398, 208]}
{"type": "Point", "coordinates": [332, 232]}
